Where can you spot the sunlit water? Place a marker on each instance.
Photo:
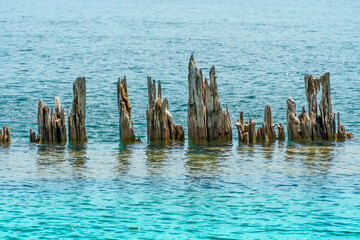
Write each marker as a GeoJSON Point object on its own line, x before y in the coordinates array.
{"type": "Point", "coordinates": [261, 50]}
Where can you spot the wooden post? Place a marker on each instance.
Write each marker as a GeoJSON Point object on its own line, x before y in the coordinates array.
{"type": "Point", "coordinates": [197, 130]}
{"type": "Point", "coordinates": [281, 132]}
{"type": "Point", "coordinates": [252, 131]}
{"type": "Point", "coordinates": [239, 123]}
{"type": "Point", "coordinates": [322, 126]}
{"type": "Point", "coordinates": [206, 119]}
{"type": "Point", "coordinates": [293, 122]}
{"type": "Point", "coordinates": [53, 129]}
{"type": "Point", "coordinates": [126, 127]}
{"type": "Point", "coordinates": [77, 118]}
{"type": "Point", "coordinates": [5, 136]}
{"type": "Point", "coordinates": [312, 85]}
{"type": "Point", "coordinates": [341, 135]}
{"type": "Point", "coordinates": [299, 127]}
{"type": "Point", "coordinates": [160, 126]}
{"type": "Point", "coordinates": [325, 106]}
{"type": "Point", "coordinates": [267, 131]}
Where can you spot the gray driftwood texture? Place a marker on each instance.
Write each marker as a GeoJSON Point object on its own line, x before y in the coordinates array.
{"type": "Point", "coordinates": [5, 136]}
{"type": "Point", "coordinates": [160, 126]}
{"type": "Point", "coordinates": [51, 126]}
{"type": "Point", "coordinates": [248, 133]}
{"type": "Point", "coordinates": [314, 125]}
{"type": "Point", "coordinates": [206, 119]}
{"type": "Point", "coordinates": [77, 118]}
{"type": "Point", "coordinates": [126, 127]}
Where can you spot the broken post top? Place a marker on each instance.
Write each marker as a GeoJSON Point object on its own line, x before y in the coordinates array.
{"type": "Point", "coordinates": [195, 82]}
{"type": "Point", "coordinates": [79, 101]}
{"type": "Point", "coordinates": [123, 98]}
{"type": "Point", "coordinates": [206, 119]}
{"type": "Point", "coordinates": [153, 97]}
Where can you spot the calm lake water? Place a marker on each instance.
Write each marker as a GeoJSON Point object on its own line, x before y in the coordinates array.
{"type": "Point", "coordinates": [261, 50]}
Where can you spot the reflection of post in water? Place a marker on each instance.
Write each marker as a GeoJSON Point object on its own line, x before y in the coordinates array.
{"type": "Point", "coordinates": [317, 158]}
{"type": "Point", "coordinates": [156, 154]}
{"type": "Point", "coordinates": [5, 145]}
{"type": "Point", "coordinates": [50, 154]}
{"type": "Point", "coordinates": [206, 158]}
{"type": "Point", "coordinates": [78, 156]}
{"type": "Point", "coordinates": [267, 149]}
{"type": "Point", "coordinates": [124, 154]}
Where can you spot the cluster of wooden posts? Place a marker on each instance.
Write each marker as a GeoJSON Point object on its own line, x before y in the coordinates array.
{"type": "Point", "coordinates": [207, 120]}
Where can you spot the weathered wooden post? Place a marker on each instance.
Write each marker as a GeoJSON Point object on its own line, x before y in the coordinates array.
{"type": "Point", "coordinates": [51, 129]}
{"type": "Point", "coordinates": [281, 132]}
{"type": "Point", "coordinates": [206, 119]}
{"type": "Point", "coordinates": [126, 127]}
{"type": "Point", "coordinates": [298, 127]}
{"type": "Point", "coordinates": [5, 136]}
{"type": "Point", "coordinates": [160, 126]}
{"type": "Point", "coordinates": [77, 118]}
{"type": "Point", "coordinates": [325, 106]}
{"type": "Point", "coordinates": [341, 135]}
{"type": "Point", "coordinates": [313, 126]}
{"type": "Point", "coordinates": [252, 130]}
{"type": "Point", "coordinates": [267, 131]}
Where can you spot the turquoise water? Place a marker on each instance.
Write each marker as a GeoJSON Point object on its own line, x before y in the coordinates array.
{"type": "Point", "coordinates": [261, 50]}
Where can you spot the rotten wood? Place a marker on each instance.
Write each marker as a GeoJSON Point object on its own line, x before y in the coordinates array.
{"type": "Point", "coordinates": [160, 126]}
{"type": "Point", "coordinates": [206, 119]}
{"type": "Point", "coordinates": [77, 118]}
{"type": "Point", "coordinates": [126, 127]}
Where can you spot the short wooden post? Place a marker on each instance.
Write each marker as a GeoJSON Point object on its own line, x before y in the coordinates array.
{"type": "Point", "coordinates": [5, 135]}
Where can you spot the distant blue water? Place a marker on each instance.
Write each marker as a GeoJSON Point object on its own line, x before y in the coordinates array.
{"type": "Point", "coordinates": [261, 50]}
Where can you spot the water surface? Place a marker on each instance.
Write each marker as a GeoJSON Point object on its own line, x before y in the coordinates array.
{"type": "Point", "coordinates": [104, 189]}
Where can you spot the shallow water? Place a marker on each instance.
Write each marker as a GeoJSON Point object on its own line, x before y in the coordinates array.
{"type": "Point", "coordinates": [104, 189]}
